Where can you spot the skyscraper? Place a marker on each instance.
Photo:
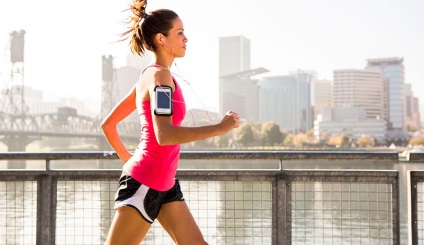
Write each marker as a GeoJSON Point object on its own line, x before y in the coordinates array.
{"type": "Point", "coordinates": [285, 100]}
{"type": "Point", "coordinates": [240, 93]}
{"type": "Point", "coordinates": [236, 90]}
{"type": "Point", "coordinates": [234, 55]}
{"type": "Point", "coordinates": [361, 89]}
{"type": "Point", "coordinates": [393, 71]}
{"type": "Point", "coordinates": [321, 95]}
{"type": "Point", "coordinates": [413, 121]}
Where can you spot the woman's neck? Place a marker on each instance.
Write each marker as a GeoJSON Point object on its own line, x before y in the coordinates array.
{"type": "Point", "coordinates": [165, 62]}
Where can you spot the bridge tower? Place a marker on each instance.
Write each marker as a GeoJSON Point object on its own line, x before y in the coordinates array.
{"type": "Point", "coordinates": [14, 99]}
{"type": "Point", "coordinates": [109, 86]}
{"type": "Point", "coordinates": [14, 110]}
{"type": "Point", "coordinates": [109, 92]}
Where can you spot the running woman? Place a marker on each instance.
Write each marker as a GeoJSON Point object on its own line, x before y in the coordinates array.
{"type": "Point", "coordinates": [148, 189]}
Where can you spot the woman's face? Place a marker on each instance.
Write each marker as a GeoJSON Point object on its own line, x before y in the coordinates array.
{"type": "Point", "coordinates": [176, 40]}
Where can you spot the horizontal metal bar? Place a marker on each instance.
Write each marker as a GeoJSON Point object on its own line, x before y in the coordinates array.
{"type": "Point", "coordinates": [239, 155]}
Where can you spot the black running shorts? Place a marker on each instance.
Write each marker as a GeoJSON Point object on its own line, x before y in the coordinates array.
{"type": "Point", "coordinates": [144, 199]}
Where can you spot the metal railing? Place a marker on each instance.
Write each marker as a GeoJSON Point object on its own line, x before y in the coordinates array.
{"type": "Point", "coordinates": [277, 197]}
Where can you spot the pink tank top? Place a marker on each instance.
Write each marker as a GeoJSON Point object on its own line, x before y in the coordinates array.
{"type": "Point", "coordinates": [152, 164]}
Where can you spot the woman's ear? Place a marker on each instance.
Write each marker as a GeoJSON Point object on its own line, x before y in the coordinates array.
{"type": "Point", "coordinates": [160, 39]}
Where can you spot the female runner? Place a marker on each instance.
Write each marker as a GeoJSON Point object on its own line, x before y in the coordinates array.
{"type": "Point", "coordinates": [148, 189]}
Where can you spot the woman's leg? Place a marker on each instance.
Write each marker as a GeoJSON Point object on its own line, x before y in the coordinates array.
{"type": "Point", "coordinates": [176, 219]}
{"type": "Point", "coordinates": [128, 227]}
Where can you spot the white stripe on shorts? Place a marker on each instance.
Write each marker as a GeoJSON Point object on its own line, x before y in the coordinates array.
{"type": "Point", "coordinates": [137, 200]}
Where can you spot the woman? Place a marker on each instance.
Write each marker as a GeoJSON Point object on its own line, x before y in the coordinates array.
{"type": "Point", "coordinates": [148, 188]}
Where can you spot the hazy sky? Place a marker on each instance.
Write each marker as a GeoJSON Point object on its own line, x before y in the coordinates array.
{"type": "Point", "coordinates": [65, 40]}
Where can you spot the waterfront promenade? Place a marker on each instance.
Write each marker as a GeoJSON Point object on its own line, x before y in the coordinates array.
{"type": "Point", "coordinates": [237, 197]}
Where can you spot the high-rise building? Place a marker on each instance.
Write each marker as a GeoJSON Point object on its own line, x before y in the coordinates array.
{"type": "Point", "coordinates": [285, 100]}
{"type": "Point", "coordinates": [234, 55]}
{"type": "Point", "coordinates": [393, 70]}
{"type": "Point", "coordinates": [321, 95]}
{"type": "Point", "coordinates": [240, 93]}
{"type": "Point", "coordinates": [352, 122]}
{"type": "Point", "coordinates": [413, 121]}
{"type": "Point", "coordinates": [361, 89]}
{"type": "Point", "coordinates": [421, 110]}
{"type": "Point", "coordinates": [235, 87]}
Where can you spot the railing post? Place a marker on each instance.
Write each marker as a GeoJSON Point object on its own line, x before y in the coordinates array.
{"type": "Point", "coordinates": [46, 195]}
{"type": "Point", "coordinates": [282, 233]}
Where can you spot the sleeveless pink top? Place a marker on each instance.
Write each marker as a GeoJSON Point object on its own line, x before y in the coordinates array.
{"type": "Point", "coordinates": [154, 165]}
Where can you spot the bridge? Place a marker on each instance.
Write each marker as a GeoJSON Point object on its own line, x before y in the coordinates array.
{"type": "Point", "coordinates": [19, 126]}
{"type": "Point", "coordinates": [19, 130]}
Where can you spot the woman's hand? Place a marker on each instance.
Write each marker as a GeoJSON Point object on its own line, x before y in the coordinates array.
{"type": "Point", "coordinates": [229, 121]}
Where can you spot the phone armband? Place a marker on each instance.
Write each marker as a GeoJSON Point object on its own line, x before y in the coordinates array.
{"type": "Point", "coordinates": [162, 101]}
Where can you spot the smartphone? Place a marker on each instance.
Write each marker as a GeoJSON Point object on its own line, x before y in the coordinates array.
{"type": "Point", "coordinates": [162, 102]}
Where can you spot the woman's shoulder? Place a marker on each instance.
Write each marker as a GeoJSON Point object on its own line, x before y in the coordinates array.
{"type": "Point", "coordinates": [158, 75]}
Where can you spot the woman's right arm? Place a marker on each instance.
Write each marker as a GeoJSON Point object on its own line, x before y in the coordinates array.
{"type": "Point", "coordinates": [124, 108]}
{"type": "Point", "coordinates": [168, 134]}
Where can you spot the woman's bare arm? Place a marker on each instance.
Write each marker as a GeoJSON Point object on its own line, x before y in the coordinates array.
{"type": "Point", "coordinates": [124, 108]}
{"type": "Point", "coordinates": [168, 134]}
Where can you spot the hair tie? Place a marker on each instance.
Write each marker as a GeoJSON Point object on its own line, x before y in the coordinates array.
{"type": "Point", "coordinates": [142, 20]}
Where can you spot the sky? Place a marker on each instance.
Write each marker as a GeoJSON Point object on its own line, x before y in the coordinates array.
{"type": "Point", "coordinates": [64, 41]}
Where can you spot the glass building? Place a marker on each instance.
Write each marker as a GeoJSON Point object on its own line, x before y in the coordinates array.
{"type": "Point", "coordinates": [234, 57]}
{"type": "Point", "coordinates": [393, 71]}
{"type": "Point", "coordinates": [285, 100]}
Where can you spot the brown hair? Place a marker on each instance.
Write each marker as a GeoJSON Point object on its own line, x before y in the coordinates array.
{"type": "Point", "coordinates": [144, 27]}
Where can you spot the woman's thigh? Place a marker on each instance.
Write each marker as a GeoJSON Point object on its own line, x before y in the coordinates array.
{"type": "Point", "coordinates": [177, 220]}
{"type": "Point", "coordinates": [128, 227]}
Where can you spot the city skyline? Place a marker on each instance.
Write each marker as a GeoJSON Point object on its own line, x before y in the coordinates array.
{"type": "Point", "coordinates": [287, 36]}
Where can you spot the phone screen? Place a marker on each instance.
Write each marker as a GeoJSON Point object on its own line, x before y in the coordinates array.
{"type": "Point", "coordinates": [164, 101]}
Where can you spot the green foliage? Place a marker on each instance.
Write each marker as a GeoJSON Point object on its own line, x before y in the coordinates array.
{"type": "Point", "coordinates": [271, 134]}
{"type": "Point", "coordinates": [221, 141]}
{"type": "Point", "coordinates": [244, 134]}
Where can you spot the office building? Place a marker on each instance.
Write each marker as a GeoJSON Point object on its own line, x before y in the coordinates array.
{"type": "Point", "coordinates": [361, 88]}
{"type": "Point", "coordinates": [235, 88]}
{"type": "Point", "coordinates": [285, 100]}
{"type": "Point", "coordinates": [413, 121]}
{"type": "Point", "coordinates": [350, 121]}
{"type": "Point", "coordinates": [240, 93]}
{"type": "Point", "coordinates": [234, 55]}
{"type": "Point", "coordinates": [393, 70]}
{"type": "Point", "coordinates": [321, 95]}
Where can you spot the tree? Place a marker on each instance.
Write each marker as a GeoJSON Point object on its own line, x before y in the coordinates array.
{"type": "Point", "coordinates": [288, 140]}
{"type": "Point", "coordinates": [339, 140]}
{"type": "Point", "coordinates": [202, 143]}
{"type": "Point", "coordinates": [257, 134]}
{"type": "Point", "coordinates": [271, 133]}
{"type": "Point", "coordinates": [419, 140]}
{"type": "Point", "coordinates": [323, 139]}
{"type": "Point", "coordinates": [244, 134]}
{"type": "Point", "coordinates": [221, 141]}
{"type": "Point", "coordinates": [205, 143]}
{"type": "Point", "coordinates": [365, 141]}
{"type": "Point", "coordinates": [299, 139]}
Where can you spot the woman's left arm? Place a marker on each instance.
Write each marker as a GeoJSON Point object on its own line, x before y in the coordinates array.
{"type": "Point", "coordinates": [124, 108]}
